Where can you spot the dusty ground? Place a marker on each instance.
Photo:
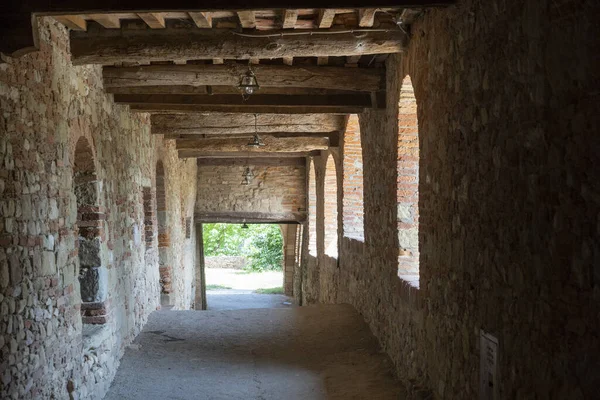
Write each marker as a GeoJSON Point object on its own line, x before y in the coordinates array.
{"type": "Point", "coordinates": [305, 353]}
{"type": "Point", "coordinates": [242, 284]}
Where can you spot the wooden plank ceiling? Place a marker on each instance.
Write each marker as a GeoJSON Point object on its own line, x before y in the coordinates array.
{"type": "Point", "coordinates": [314, 68]}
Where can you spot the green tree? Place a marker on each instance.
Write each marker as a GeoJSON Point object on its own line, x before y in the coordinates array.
{"type": "Point", "coordinates": [262, 244]}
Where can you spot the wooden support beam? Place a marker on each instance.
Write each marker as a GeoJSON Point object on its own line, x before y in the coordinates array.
{"type": "Point", "coordinates": [289, 19]}
{"type": "Point", "coordinates": [356, 100]}
{"type": "Point", "coordinates": [258, 161]}
{"type": "Point", "coordinates": [195, 108]}
{"type": "Point", "coordinates": [358, 79]}
{"type": "Point", "coordinates": [254, 60]}
{"type": "Point", "coordinates": [153, 20]}
{"type": "Point", "coordinates": [224, 123]}
{"type": "Point", "coordinates": [98, 46]}
{"type": "Point", "coordinates": [325, 18]}
{"type": "Point", "coordinates": [201, 19]}
{"type": "Point", "coordinates": [108, 21]}
{"type": "Point", "coordinates": [288, 60]}
{"type": "Point", "coordinates": [186, 89]}
{"type": "Point", "coordinates": [237, 217]}
{"type": "Point", "coordinates": [247, 19]}
{"type": "Point", "coordinates": [238, 154]}
{"type": "Point", "coordinates": [272, 144]}
{"type": "Point", "coordinates": [218, 61]}
{"type": "Point", "coordinates": [333, 137]}
{"type": "Point", "coordinates": [74, 22]}
{"type": "Point", "coordinates": [366, 17]}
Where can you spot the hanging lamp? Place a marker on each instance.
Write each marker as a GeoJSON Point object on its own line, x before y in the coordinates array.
{"type": "Point", "coordinates": [248, 83]}
{"type": "Point", "coordinates": [255, 142]}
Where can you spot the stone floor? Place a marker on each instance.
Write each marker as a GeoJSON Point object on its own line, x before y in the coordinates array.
{"type": "Point", "coordinates": [303, 353]}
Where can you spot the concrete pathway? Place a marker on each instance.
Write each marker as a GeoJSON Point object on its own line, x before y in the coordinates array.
{"type": "Point", "coordinates": [233, 299]}
{"type": "Point", "coordinates": [303, 353]}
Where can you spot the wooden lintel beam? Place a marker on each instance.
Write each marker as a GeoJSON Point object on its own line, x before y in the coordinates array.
{"type": "Point", "coordinates": [102, 46]}
{"type": "Point", "coordinates": [153, 20]}
{"type": "Point", "coordinates": [201, 19]}
{"type": "Point", "coordinates": [237, 217]}
{"type": "Point", "coordinates": [271, 144]}
{"type": "Point", "coordinates": [186, 89]}
{"type": "Point", "coordinates": [355, 100]}
{"type": "Point", "coordinates": [332, 136]}
{"type": "Point", "coordinates": [247, 19]}
{"type": "Point", "coordinates": [195, 108]}
{"type": "Point", "coordinates": [358, 79]}
{"type": "Point", "coordinates": [289, 19]}
{"type": "Point", "coordinates": [366, 17]}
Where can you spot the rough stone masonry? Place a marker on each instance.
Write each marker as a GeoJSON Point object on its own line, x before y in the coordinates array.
{"type": "Point", "coordinates": [48, 106]}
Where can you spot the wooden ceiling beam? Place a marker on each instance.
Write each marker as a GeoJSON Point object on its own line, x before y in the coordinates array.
{"type": "Point", "coordinates": [108, 21]}
{"type": "Point", "coordinates": [201, 19]}
{"type": "Point", "coordinates": [153, 20]}
{"type": "Point", "coordinates": [238, 154]}
{"type": "Point", "coordinates": [247, 19]}
{"type": "Point", "coordinates": [366, 17]}
{"type": "Point", "coordinates": [325, 18]}
{"type": "Point", "coordinates": [74, 22]}
{"type": "Point", "coordinates": [289, 19]}
{"type": "Point", "coordinates": [359, 79]}
{"type": "Point", "coordinates": [272, 144]}
{"type": "Point", "coordinates": [355, 100]}
{"type": "Point", "coordinates": [227, 123]}
{"type": "Point", "coordinates": [105, 46]}
{"type": "Point", "coordinates": [258, 161]}
{"type": "Point", "coordinates": [186, 89]}
{"type": "Point", "coordinates": [196, 108]}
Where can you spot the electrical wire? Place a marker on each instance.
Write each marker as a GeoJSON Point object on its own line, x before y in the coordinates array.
{"type": "Point", "coordinates": [281, 34]}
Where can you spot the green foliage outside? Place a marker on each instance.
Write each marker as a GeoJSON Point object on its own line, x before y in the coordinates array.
{"type": "Point", "coordinates": [261, 244]}
{"type": "Point", "coordinates": [273, 290]}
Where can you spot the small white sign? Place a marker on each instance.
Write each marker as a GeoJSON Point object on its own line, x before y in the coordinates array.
{"type": "Point", "coordinates": [488, 377]}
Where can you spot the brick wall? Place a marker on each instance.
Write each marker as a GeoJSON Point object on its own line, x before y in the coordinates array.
{"type": "Point", "coordinates": [276, 192]}
{"type": "Point", "coordinates": [48, 106]}
{"type": "Point", "coordinates": [352, 186]}
{"type": "Point", "coordinates": [507, 219]}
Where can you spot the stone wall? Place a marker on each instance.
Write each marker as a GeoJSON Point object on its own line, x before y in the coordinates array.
{"type": "Point", "coordinates": [277, 192]}
{"type": "Point", "coordinates": [508, 203]}
{"type": "Point", "coordinates": [47, 107]}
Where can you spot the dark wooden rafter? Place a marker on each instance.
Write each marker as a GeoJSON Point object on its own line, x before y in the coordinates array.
{"type": "Point", "coordinates": [223, 123]}
{"type": "Point", "coordinates": [196, 108]}
{"type": "Point", "coordinates": [258, 161]}
{"type": "Point", "coordinates": [195, 153]}
{"type": "Point", "coordinates": [272, 144]}
{"type": "Point", "coordinates": [333, 137]}
{"type": "Point", "coordinates": [291, 101]}
{"type": "Point", "coordinates": [280, 76]}
{"type": "Point", "coordinates": [105, 46]}
{"type": "Point", "coordinates": [18, 26]}
{"type": "Point", "coordinates": [212, 90]}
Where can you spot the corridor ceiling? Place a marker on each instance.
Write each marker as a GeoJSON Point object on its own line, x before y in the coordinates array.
{"type": "Point", "coordinates": [314, 68]}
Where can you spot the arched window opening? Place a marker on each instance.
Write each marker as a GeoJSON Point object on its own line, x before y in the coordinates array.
{"type": "Point", "coordinates": [164, 240]}
{"type": "Point", "coordinates": [312, 210]}
{"type": "Point", "coordinates": [90, 223]}
{"type": "Point", "coordinates": [353, 209]}
{"type": "Point", "coordinates": [331, 214]}
{"type": "Point", "coordinates": [408, 185]}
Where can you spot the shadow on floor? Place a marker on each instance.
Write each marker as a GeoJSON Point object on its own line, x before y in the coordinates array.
{"type": "Point", "coordinates": [303, 353]}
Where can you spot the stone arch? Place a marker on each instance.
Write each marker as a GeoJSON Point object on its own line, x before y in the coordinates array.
{"type": "Point", "coordinates": [93, 276]}
{"type": "Point", "coordinates": [408, 184]}
{"type": "Point", "coordinates": [330, 203]}
{"type": "Point", "coordinates": [312, 209]}
{"type": "Point", "coordinates": [352, 188]}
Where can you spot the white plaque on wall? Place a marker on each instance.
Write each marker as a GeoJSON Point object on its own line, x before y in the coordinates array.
{"type": "Point", "coordinates": [488, 363]}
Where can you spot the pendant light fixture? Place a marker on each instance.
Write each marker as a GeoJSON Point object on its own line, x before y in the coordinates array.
{"type": "Point", "coordinates": [255, 142]}
{"type": "Point", "coordinates": [248, 83]}
{"type": "Point", "coordinates": [247, 175]}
